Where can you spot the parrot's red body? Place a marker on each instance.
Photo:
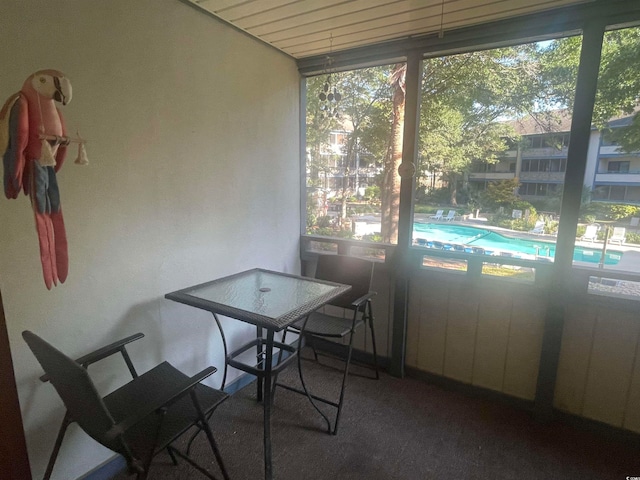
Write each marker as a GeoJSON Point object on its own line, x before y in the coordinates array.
{"type": "Point", "coordinates": [26, 117]}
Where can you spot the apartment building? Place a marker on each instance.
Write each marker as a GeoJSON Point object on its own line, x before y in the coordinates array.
{"type": "Point", "coordinates": [539, 161]}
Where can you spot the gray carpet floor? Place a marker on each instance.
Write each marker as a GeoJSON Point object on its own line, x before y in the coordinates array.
{"type": "Point", "coordinates": [400, 429]}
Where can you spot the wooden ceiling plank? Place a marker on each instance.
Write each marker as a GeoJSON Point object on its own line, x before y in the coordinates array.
{"type": "Point", "coordinates": [358, 11]}
{"type": "Point", "coordinates": [357, 25]}
{"type": "Point", "coordinates": [291, 12]}
{"type": "Point", "coordinates": [313, 27]}
{"type": "Point", "coordinates": [215, 6]}
{"type": "Point", "coordinates": [358, 19]}
{"type": "Point", "coordinates": [425, 18]}
{"type": "Point", "coordinates": [256, 7]}
{"type": "Point", "coordinates": [379, 35]}
{"type": "Point", "coordinates": [389, 29]}
{"type": "Point", "coordinates": [427, 25]}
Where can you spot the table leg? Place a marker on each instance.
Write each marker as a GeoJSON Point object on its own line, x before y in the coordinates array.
{"type": "Point", "coordinates": [268, 473]}
{"type": "Point", "coordinates": [259, 363]}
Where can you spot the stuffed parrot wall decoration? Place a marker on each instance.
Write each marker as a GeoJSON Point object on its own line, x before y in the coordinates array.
{"type": "Point", "coordinates": [33, 144]}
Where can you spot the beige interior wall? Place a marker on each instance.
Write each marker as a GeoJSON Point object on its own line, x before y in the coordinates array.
{"type": "Point", "coordinates": [193, 140]}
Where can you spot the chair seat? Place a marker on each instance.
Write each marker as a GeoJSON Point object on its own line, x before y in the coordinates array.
{"type": "Point", "coordinates": [179, 416]}
{"type": "Point", "coordinates": [326, 325]}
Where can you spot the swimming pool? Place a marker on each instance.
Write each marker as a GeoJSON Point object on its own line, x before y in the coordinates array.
{"type": "Point", "coordinates": [489, 242]}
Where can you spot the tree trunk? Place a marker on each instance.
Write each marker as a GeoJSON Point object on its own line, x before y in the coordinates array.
{"type": "Point", "coordinates": [453, 188]}
{"type": "Point", "coordinates": [390, 193]}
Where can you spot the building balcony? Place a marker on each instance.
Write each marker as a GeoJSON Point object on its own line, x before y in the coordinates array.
{"type": "Point", "coordinates": [618, 177]}
{"type": "Point", "coordinates": [611, 150]}
{"type": "Point", "coordinates": [491, 176]}
{"type": "Point", "coordinates": [542, 176]}
{"type": "Point", "coordinates": [546, 152]}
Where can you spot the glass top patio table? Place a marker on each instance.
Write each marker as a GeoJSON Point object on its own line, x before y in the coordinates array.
{"type": "Point", "coordinates": [269, 300]}
{"type": "Point", "coordinates": [272, 300]}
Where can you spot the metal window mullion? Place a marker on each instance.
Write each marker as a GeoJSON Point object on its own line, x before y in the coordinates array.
{"type": "Point", "coordinates": [405, 215]}
{"type": "Point", "coordinates": [584, 101]}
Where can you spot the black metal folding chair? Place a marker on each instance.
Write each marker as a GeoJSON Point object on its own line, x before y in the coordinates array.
{"type": "Point", "coordinates": [358, 273]}
{"type": "Point", "coordinates": [139, 419]}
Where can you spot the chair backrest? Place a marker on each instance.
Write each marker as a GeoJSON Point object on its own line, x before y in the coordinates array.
{"type": "Point", "coordinates": [353, 271]}
{"type": "Point", "coordinates": [619, 232]}
{"type": "Point", "coordinates": [75, 388]}
{"type": "Point", "coordinates": [591, 231]}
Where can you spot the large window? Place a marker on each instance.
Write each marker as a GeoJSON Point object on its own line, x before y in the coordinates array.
{"type": "Point", "coordinates": [610, 210]}
{"type": "Point", "coordinates": [493, 153]}
{"type": "Point", "coordinates": [355, 121]}
{"type": "Point", "coordinates": [481, 111]}
{"type": "Point", "coordinates": [618, 166]}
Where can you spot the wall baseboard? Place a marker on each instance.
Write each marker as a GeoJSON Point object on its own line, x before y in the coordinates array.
{"type": "Point", "coordinates": [602, 429]}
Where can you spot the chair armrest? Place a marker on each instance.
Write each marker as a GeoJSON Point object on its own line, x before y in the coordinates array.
{"type": "Point", "coordinates": [102, 352]}
{"type": "Point", "coordinates": [177, 391]}
{"type": "Point", "coordinates": [360, 301]}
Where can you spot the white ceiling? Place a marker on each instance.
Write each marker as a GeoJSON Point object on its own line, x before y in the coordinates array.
{"type": "Point", "coordinates": [303, 28]}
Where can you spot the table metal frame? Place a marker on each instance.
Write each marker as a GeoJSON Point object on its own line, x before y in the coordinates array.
{"type": "Point", "coordinates": [264, 369]}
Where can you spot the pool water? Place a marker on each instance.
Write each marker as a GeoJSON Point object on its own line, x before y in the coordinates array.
{"type": "Point", "coordinates": [477, 239]}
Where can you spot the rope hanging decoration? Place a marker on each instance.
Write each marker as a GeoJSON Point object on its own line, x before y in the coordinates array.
{"type": "Point", "coordinates": [441, 32]}
{"type": "Point", "coordinates": [329, 96]}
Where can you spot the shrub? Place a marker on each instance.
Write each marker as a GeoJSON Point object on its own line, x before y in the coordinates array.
{"type": "Point", "coordinates": [438, 195]}
{"type": "Point", "coordinates": [611, 211]}
{"type": "Point", "coordinates": [618, 211]}
{"type": "Point", "coordinates": [551, 227]}
{"type": "Point", "coordinates": [333, 232]}
{"type": "Point", "coordinates": [374, 237]}
{"type": "Point", "coordinates": [324, 222]}
{"type": "Point", "coordinates": [372, 193]}
{"type": "Point", "coordinates": [633, 238]}
{"type": "Point", "coordinates": [524, 205]}
{"type": "Point", "coordinates": [424, 209]}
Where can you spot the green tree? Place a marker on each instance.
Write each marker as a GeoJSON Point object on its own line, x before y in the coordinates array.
{"type": "Point", "coordinates": [503, 193]}
{"type": "Point", "coordinates": [365, 116]}
{"type": "Point", "coordinates": [465, 99]}
{"type": "Point", "coordinates": [618, 90]}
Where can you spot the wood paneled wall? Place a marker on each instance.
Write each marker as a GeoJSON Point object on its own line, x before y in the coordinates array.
{"type": "Point", "coordinates": [599, 370]}
{"type": "Point", "coordinates": [486, 333]}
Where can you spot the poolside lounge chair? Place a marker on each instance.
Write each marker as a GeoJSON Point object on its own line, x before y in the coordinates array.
{"type": "Point", "coordinates": [619, 235]}
{"type": "Point", "coordinates": [438, 215]}
{"type": "Point", "coordinates": [591, 233]}
{"type": "Point", "coordinates": [538, 228]}
{"type": "Point", "coordinates": [450, 216]}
